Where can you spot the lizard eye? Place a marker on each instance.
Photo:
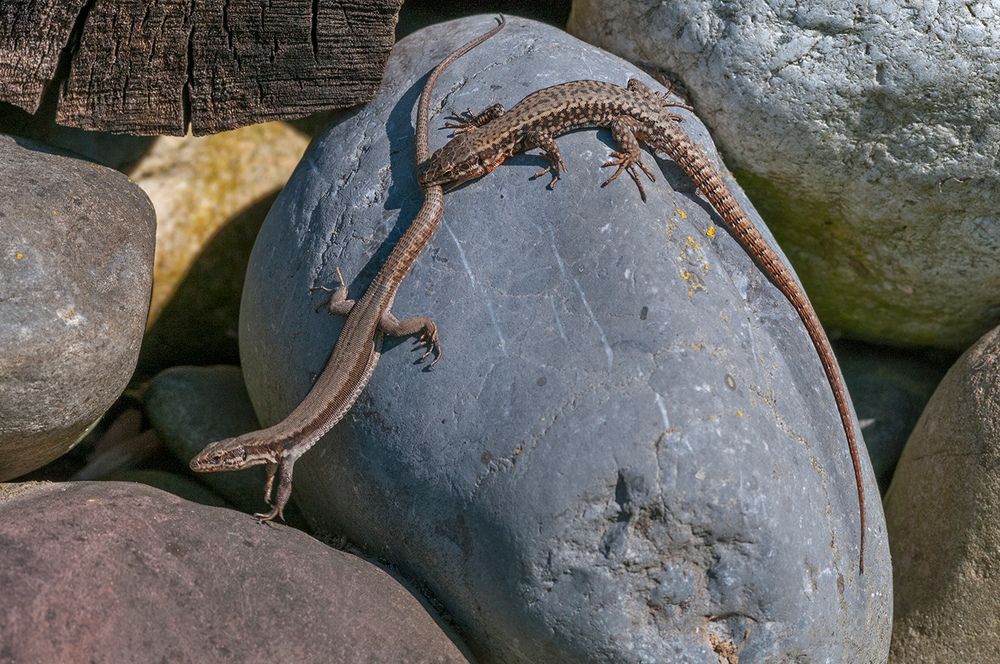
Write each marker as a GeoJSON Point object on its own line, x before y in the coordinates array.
{"type": "Point", "coordinates": [217, 458]}
{"type": "Point", "coordinates": [244, 455]}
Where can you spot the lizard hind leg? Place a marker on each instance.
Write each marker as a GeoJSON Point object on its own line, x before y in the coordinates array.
{"type": "Point", "coordinates": [272, 468]}
{"type": "Point", "coordinates": [422, 326]}
{"type": "Point", "coordinates": [472, 120]}
{"type": "Point", "coordinates": [639, 87]}
{"type": "Point", "coordinates": [624, 129]}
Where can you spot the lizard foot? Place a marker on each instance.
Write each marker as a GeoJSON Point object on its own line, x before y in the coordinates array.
{"type": "Point", "coordinates": [627, 162]}
{"type": "Point", "coordinates": [554, 169]}
{"type": "Point", "coordinates": [472, 120]}
{"type": "Point", "coordinates": [270, 515]}
{"type": "Point", "coordinates": [462, 123]}
{"type": "Point", "coordinates": [673, 116]}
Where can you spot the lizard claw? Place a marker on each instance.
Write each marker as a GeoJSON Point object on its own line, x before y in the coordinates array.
{"type": "Point", "coordinates": [555, 175]}
{"type": "Point", "coordinates": [337, 303]}
{"type": "Point", "coordinates": [340, 280]}
{"type": "Point", "coordinates": [626, 162]}
{"type": "Point", "coordinates": [430, 339]}
{"type": "Point", "coordinates": [325, 302]}
{"type": "Point", "coordinates": [270, 515]}
{"type": "Point", "coordinates": [553, 168]}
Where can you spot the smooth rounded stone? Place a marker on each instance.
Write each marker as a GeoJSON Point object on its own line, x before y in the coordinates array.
{"type": "Point", "coordinates": [212, 194]}
{"type": "Point", "coordinates": [629, 429]}
{"type": "Point", "coordinates": [191, 407]}
{"type": "Point", "coordinates": [74, 290]}
{"type": "Point", "coordinates": [943, 516]}
{"type": "Point", "coordinates": [862, 137]}
{"type": "Point", "coordinates": [890, 388]}
{"type": "Point", "coordinates": [115, 572]}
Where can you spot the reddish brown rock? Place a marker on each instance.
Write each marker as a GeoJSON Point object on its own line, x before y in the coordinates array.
{"type": "Point", "coordinates": [114, 572]}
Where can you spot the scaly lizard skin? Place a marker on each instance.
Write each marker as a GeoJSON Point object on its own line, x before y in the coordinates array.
{"type": "Point", "coordinates": [634, 114]}
{"type": "Point", "coordinates": [357, 349]}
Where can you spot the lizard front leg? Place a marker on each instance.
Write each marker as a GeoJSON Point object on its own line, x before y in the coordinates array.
{"type": "Point", "coordinates": [338, 302]}
{"type": "Point", "coordinates": [641, 88]}
{"type": "Point", "coordinates": [283, 471]}
{"type": "Point", "coordinates": [550, 151]}
{"type": "Point", "coordinates": [388, 324]}
{"type": "Point", "coordinates": [416, 325]}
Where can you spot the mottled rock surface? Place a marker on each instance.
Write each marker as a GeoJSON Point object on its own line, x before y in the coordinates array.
{"type": "Point", "coordinates": [865, 138]}
{"type": "Point", "coordinates": [75, 276]}
{"type": "Point", "coordinates": [211, 194]}
{"type": "Point", "coordinates": [178, 485]}
{"type": "Point", "coordinates": [943, 516]}
{"type": "Point", "coordinates": [629, 429]}
{"type": "Point", "coordinates": [117, 572]}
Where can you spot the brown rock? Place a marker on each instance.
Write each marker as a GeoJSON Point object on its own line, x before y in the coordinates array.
{"type": "Point", "coordinates": [943, 516]}
{"type": "Point", "coordinates": [116, 572]}
{"type": "Point", "coordinates": [198, 185]}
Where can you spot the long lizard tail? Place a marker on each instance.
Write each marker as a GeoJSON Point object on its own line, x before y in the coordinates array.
{"type": "Point", "coordinates": [693, 162]}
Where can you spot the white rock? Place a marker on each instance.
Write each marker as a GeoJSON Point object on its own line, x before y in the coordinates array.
{"type": "Point", "coordinates": [867, 136]}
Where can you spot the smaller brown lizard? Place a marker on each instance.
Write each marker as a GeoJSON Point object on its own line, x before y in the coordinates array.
{"type": "Point", "coordinates": [357, 349]}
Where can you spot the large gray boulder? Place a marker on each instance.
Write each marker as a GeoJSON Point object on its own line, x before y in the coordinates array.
{"type": "Point", "coordinates": [75, 278]}
{"type": "Point", "coordinates": [628, 451]}
{"type": "Point", "coordinates": [866, 133]}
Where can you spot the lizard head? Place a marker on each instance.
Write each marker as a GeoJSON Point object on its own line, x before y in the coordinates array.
{"type": "Point", "coordinates": [221, 455]}
{"type": "Point", "coordinates": [455, 163]}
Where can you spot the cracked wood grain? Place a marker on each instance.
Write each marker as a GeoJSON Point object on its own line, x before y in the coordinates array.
{"type": "Point", "coordinates": [147, 67]}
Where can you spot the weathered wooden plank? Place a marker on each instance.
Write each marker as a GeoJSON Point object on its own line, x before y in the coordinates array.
{"type": "Point", "coordinates": [157, 66]}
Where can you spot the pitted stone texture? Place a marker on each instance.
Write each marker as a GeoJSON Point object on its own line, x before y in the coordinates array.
{"type": "Point", "coordinates": [629, 429]}
{"type": "Point", "coordinates": [75, 273]}
{"type": "Point", "coordinates": [121, 572]}
{"type": "Point", "coordinates": [866, 138]}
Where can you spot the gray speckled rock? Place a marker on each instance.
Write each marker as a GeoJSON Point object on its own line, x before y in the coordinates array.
{"type": "Point", "coordinates": [629, 429]}
{"type": "Point", "coordinates": [865, 135]}
{"type": "Point", "coordinates": [120, 572]}
{"type": "Point", "coordinates": [75, 273]}
{"type": "Point", "coordinates": [943, 514]}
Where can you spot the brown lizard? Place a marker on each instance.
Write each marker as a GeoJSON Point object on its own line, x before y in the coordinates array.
{"type": "Point", "coordinates": [634, 114]}
{"type": "Point", "coordinates": [357, 348]}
